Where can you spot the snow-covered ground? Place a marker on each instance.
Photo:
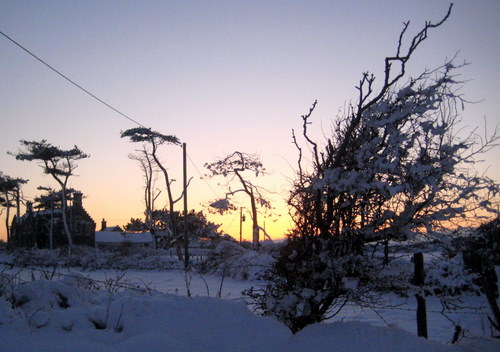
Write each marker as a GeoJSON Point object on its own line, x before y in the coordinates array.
{"type": "Point", "coordinates": [65, 314]}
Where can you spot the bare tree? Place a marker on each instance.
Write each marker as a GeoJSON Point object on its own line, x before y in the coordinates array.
{"type": "Point", "coordinates": [149, 171]}
{"type": "Point", "coordinates": [59, 163]}
{"type": "Point", "coordinates": [235, 166]}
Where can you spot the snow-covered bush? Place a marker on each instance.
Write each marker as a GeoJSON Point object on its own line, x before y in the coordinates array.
{"type": "Point", "coordinates": [448, 278]}
{"type": "Point", "coordinates": [392, 168]}
{"type": "Point", "coordinates": [308, 282]}
{"type": "Point", "coordinates": [481, 252]}
{"type": "Point", "coordinates": [92, 259]}
{"type": "Point", "coordinates": [445, 275]}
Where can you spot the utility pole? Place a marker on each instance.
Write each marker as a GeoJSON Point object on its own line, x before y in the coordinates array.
{"type": "Point", "coordinates": [18, 214]}
{"type": "Point", "coordinates": [186, 235]}
{"type": "Point", "coordinates": [51, 233]}
{"type": "Point", "coordinates": [18, 205]}
{"type": "Point", "coordinates": [241, 222]}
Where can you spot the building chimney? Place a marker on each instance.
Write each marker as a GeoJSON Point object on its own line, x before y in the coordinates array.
{"type": "Point", "coordinates": [103, 225]}
{"type": "Point", "coordinates": [77, 199]}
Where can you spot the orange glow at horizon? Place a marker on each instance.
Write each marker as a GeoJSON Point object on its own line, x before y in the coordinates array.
{"type": "Point", "coordinates": [222, 76]}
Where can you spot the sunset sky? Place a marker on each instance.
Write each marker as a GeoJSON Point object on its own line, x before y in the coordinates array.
{"type": "Point", "coordinates": [221, 76]}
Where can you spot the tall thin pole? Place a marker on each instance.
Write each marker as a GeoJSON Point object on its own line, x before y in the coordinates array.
{"type": "Point", "coordinates": [18, 218]}
{"type": "Point", "coordinates": [186, 235]}
{"type": "Point", "coordinates": [241, 222]}
{"type": "Point", "coordinates": [18, 206]}
{"type": "Point", "coordinates": [51, 233]}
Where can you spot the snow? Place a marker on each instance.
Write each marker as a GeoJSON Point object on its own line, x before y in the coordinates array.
{"type": "Point", "coordinates": [165, 322]}
{"type": "Point", "coordinates": [221, 205]}
{"type": "Point", "coordinates": [149, 310]}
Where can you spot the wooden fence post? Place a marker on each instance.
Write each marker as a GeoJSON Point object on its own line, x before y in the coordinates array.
{"type": "Point", "coordinates": [418, 280]}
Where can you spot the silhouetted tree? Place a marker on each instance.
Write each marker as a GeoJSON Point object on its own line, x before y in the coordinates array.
{"type": "Point", "coordinates": [195, 223]}
{"type": "Point", "coordinates": [52, 199]}
{"type": "Point", "coordinates": [154, 140]}
{"type": "Point", "coordinates": [237, 166]}
{"type": "Point", "coordinates": [136, 225]}
{"type": "Point", "coordinates": [198, 226]}
{"type": "Point", "coordinates": [10, 196]}
{"type": "Point", "coordinates": [149, 171]}
{"type": "Point", "coordinates": [59, 163]}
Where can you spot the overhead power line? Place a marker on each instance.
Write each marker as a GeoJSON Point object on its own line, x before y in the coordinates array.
{"type": "Point", "coordinates": [202, 177]}
{"type": "Point", "coordinates": [96, 98]}
{"type": "Point", "coordinates": [71, 81]}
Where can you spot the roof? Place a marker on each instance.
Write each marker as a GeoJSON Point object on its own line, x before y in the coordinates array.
{"type": "Point", "coordinates": [113, 229]}
{"type": "Point", "coordinates": [118, 237]}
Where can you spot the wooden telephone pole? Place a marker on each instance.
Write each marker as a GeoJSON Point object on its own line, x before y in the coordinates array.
{"type": "Point", "coordinates": [242, 219]}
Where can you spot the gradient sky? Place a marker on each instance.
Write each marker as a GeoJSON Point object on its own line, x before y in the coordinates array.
{"type": "Point", "coordinates": [221, 75]}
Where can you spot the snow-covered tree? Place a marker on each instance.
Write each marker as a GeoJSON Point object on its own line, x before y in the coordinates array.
{"type": "Point", "coordinates": [236, 167]}
{"type": "Point", "coordinates": [393, 167]}
{"type": "Point", "coordinates": [59, 163]}
{"type": "Point", "coordinates": [10, 196]}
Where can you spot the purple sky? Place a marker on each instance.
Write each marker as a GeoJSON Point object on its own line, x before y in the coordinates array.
{"type": "Point", "coordinates": [222, 76]}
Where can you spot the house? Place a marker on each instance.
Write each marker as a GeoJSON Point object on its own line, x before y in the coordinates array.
{"type": "Point", "coordinates": [45, 228]}
{"type": "Point", "coordinates": [114, 237]}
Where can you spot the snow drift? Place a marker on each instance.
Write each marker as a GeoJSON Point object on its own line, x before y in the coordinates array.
{"type": "Point", "coordinates": [67, 315]}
